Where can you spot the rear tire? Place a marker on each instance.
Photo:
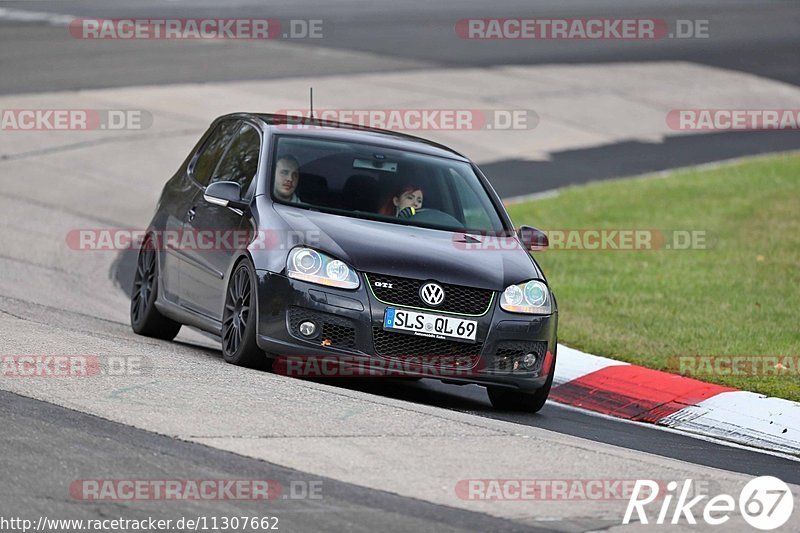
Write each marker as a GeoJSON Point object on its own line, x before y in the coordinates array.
{"type": "Point", "coordinates": [145, 318]}
{"type": "Point", "coordinates": [504, 399]}
{"type": "Point", "coordinates": [239, 320]}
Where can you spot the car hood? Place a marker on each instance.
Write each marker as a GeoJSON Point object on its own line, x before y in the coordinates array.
{"type": "Point", "coordinates": [406, 251]}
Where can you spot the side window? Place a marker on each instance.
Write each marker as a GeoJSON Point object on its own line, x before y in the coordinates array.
{"type": "Point", "coordinates": [213, 150]}
{"type": "Point", "coordinates": [240, 162]}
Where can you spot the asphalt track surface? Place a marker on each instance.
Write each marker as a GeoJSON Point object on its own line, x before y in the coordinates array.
{"type": "Point", "coordinates": [45, 444]}
{"type": "Point", "coordinates": [386, 36]}
{"type": "Point", "coordinates": [753, 36]}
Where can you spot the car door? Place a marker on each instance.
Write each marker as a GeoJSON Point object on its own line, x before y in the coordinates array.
{"type": "Point", "coordinates": [196, 177]}
{"type": "Point", "coordinates": [218, 230]}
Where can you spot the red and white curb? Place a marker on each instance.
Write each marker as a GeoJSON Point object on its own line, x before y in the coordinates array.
{"type": "Point", "coordinates": [636, 393]}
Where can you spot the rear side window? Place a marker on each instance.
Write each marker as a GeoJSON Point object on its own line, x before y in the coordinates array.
{"type": "Point", "coordinates": [212, 151]}
{"type": "Point", "coordinates": [240, 162]}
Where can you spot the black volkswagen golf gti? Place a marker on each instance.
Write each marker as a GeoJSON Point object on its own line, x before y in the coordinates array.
{"type": "Point", "coordinates": [368, 248]}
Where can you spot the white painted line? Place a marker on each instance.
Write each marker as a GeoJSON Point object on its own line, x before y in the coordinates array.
{"type": "Point", "coordinates": [22, 15]}
{"type": "Point", "coordinates": [552, 193]}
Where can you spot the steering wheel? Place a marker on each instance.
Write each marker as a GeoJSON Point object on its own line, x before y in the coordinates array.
{"type": "Point", "coordinates": [431, 216]}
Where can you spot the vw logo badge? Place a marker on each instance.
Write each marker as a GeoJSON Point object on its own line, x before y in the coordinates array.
{"type": "Point", "coordinates": [432, 294]}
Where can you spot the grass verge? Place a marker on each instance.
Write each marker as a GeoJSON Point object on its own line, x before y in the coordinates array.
{"type": "Point", "coordinates": [736, 295]}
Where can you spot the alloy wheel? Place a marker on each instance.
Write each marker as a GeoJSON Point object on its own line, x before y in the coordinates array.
{"type": "Point", "coordinates": [144, 281]}
{"type": "Point", "coordinates": [237, 310]}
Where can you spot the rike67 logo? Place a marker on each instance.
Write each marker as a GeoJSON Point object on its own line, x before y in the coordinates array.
{"type": "Point", "coordinates": [766, 503]}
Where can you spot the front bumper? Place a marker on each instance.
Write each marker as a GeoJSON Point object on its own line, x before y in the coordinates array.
{"type": "Point", "coordinates": [350, 332]}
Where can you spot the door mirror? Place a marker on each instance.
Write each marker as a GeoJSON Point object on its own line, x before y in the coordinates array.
{"type": "Point", "coordinates": [532, 238]}
{"type": "Point", "coordinates": [226, 194]}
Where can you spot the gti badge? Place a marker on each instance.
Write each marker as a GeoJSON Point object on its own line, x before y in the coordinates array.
{"type": "Point", "coordinates": [432, 294]}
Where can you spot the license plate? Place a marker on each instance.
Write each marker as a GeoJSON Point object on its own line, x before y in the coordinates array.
{"type": "Point", "coordinates": [428, 325]}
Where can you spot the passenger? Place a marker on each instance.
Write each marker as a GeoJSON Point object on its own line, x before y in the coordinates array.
{"type": "Point", "coordinates": [287, 177]}
{"type": "Point", "coordinates": [405, 203]}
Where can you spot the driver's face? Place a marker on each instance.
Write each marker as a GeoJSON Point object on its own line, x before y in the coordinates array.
{"type": "Point", "coordinates": [286, 178]}
{"type": "Point", "coordinates": [409, 199]}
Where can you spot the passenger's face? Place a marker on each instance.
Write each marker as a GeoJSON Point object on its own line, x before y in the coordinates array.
{"type": "Point", "coordinates": [409, 199]}
{"type": "Point", "coordinates": [286, 178]}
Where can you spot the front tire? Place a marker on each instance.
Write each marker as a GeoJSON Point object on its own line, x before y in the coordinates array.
{"type": "Point", "coordinates": [504, 399]}
{"type": "Point", "coordinates": [145, 318]}
{"type": "Point", "coordinates": [239, 320]}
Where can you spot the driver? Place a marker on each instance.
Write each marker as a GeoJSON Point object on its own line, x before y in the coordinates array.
{"type": "Point", "coordinates": [405, 203]}
{"type": "Point", "coordinates": [287, 177]}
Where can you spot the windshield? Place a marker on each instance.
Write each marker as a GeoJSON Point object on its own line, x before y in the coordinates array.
{"type": "Point", "coordinates": [368, 181]}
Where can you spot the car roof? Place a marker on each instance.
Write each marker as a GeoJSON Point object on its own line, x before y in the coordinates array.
{"type": "Point", "coordinates": [342, 131]}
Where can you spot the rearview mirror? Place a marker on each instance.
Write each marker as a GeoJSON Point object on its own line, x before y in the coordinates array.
{"type": "Point", "coordinates": [226, 194]}
{"type": "Point", "coordinates": [532, 238]}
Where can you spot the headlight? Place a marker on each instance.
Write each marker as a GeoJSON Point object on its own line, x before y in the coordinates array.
{"type": "Point", "coordinates": [310, 265]}
{"type": "Point", "coordinates": [532, 297]}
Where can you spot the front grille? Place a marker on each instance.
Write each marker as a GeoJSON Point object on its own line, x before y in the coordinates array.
{"type": "Point", "coordinates": [508, 356]}
{"type": "Point", "coordinates": [405, 293]}
{"type": "Point", "coordinates": [402, 346]}
{"type": "Point", "coordinates": [340, 332]}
